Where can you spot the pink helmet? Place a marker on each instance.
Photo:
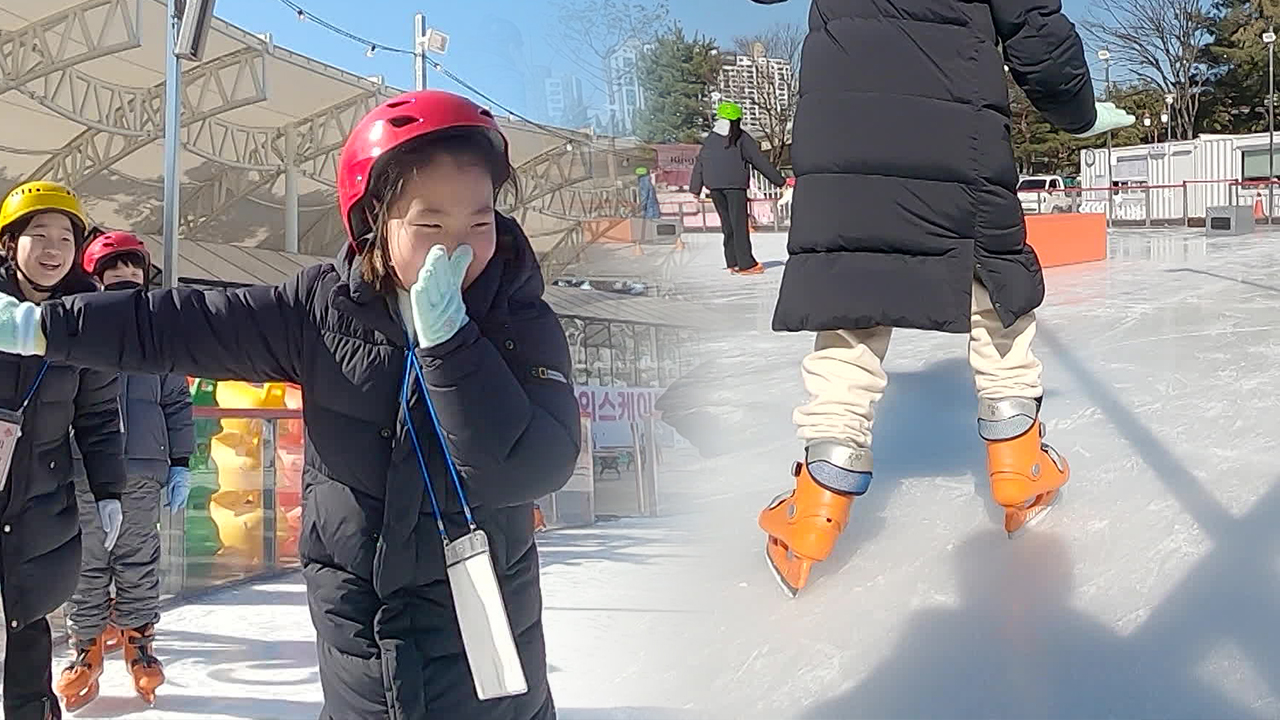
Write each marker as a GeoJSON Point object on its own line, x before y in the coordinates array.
{"type": "Point", "coordinates": [394, 122]}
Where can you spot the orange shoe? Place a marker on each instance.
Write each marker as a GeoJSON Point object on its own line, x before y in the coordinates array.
{"type": "Point", "coordinates": [145, 667]}
{"type": "Point", "coordinates": [756, 269]}
{"type": "Point", "coordinates": [112, 640]}
{"type": "Point", "coordinates": [77, 685]}
{"type": "Point", "coordinates": [803, 526]}
{"type": "Point", "coordinates": [1027, 475]}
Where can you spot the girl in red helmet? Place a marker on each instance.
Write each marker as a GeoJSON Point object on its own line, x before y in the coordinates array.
{"type": "Point", "coordinates": [438, 407]}
{"type": "Point", "coordinates": [159, 440]}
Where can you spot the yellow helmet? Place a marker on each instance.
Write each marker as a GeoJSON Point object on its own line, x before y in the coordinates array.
{"type": "Point", "coordinates": [42, 196]}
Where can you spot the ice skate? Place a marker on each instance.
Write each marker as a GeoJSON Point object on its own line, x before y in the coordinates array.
{"type": "Point", "coordinates": [1026, 473]}
{"type": "Point", "coordinates": [145, 667]}
{"type": "Point", "coordinates": [756, 269]}
{"type": "Point", "coordinates": [803, 526]}
{"type": "Point", "coordinates": [77, 685]}
{"type": "Point", "coordinates": [112, 640]}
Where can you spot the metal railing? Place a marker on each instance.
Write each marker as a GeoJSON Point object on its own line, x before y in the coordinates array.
{"type": "Point", "coordinates": [1137, 204]}
{"type": "Point", "coordinates": [1126, 204]}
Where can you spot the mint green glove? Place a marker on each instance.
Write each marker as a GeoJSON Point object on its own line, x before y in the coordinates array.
{"type": "Point", "coordinates": [20, 331]}
{"type": "Point", "coordinates": [1110, 117]}
{"type": "Point", "coordinates": [438, 310]}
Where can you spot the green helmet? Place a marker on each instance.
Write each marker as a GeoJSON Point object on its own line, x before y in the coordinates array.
{"type": "Point", "coordinates": [729, 111]}
{"type": "Point", "coordinates": [642, 170]}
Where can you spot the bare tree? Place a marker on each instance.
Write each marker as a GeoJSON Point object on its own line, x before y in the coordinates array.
{"type": "Point", "coordinates": [1161, 43]}
{"type": "Point", "coordinates": [772, 84]}
{"type": "Point", "coordinates": [592, 30]}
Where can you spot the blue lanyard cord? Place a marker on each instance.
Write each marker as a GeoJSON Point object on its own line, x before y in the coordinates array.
{"type": "Point", "coordinates": [422, 462]}
{"type": "Point", "coordinates": [411, 365]}
{"type": "Point", "coordinates": [31, 392]}
{"type": "Point", "coordinates": [444, 445]}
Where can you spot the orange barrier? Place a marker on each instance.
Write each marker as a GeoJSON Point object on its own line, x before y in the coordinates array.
{"type": "Point", "coordinates": [1069, 238]}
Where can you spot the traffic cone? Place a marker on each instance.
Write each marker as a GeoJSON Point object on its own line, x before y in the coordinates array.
{"type": "Point", "coordinates": [1257, 209]}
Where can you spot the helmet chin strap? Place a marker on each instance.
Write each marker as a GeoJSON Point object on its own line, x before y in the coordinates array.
{"type": "Point", "coordinates": [35, 285]}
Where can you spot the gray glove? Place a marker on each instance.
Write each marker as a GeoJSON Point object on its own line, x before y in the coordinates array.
{"type": "Point", "coordinates": [112, 518]}
{"type": "Point", "coordinates": [1110, 117]}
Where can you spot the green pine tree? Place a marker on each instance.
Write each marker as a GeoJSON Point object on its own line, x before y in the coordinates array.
{"type": "Point", "coordinates": [676, 74]}
{"type": "Point", "coordinates": [1236, 101]}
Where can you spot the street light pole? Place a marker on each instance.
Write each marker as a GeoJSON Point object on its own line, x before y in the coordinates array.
{"type": "Point", "coordinates": [1105, 56]}
{"type": "Point", "coordinates": [172, 113]}
{"type": "Point", "coordinates": [1269, 37]}
{"type": "Point", "coordinates": [420, 51]}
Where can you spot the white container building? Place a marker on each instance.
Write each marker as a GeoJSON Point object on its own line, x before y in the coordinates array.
{"type": "Point", "coordinates": [1176, 181]}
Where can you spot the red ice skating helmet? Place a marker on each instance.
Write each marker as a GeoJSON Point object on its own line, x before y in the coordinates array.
{"type": "Point", "coordinates": [391, 124]}
{"type": "Point", "coordinates": [110, 244]}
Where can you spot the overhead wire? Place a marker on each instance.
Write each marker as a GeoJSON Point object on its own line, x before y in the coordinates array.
{"type": "Point", "coordinates": [304, 14]}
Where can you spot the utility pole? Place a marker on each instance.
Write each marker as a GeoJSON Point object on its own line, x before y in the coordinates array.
{"type": "Point", "coordinates": [172, 111]}
{"type": "Point", "coordinates": [1269, 37]}
{"type": "Point", "coordinates": [420, 51]}
{"type": "Point", "coordinates": [1105, 56]}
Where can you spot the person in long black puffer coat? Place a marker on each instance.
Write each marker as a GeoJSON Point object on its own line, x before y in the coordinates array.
{"type": "Point", "coordinates": [905, 215]}
{"type": "Point", "coordinates": [429, 364]}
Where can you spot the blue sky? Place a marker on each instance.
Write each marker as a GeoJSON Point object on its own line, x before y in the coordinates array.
{"type": "Point", "coordinates": [500, 46]}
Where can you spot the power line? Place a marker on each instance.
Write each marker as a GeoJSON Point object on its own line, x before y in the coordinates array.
{"type": "Point", "coordinates": [304, 14]}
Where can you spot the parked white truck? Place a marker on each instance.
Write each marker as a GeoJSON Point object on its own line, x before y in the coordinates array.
{"type": "Point", "coordinates": [1043, 194]}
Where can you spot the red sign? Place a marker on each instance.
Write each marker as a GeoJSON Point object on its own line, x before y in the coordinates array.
{"type": "Point", "coordinates": [675, 164]}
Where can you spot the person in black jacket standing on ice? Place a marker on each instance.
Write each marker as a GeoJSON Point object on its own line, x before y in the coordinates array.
{"type": "Point", "coordinates": [905, 215]}
{"type": "Point", "coordinates": [437, 409]}
{"type": "Point", "coordinates": [723, 166]}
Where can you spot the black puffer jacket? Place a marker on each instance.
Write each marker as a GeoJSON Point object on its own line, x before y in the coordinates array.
{"type": "Point", "coordinates": [905, 176]}
{"type": "Point", "coordinates": [388, 641]}
{"type": "Point", "coordinates": [39, 523]}
{"type": "Point", "coordinates": [721, 166]}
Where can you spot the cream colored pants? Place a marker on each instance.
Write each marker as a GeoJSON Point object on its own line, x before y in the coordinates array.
{"type": "Point", "coordinates": [845, 377]}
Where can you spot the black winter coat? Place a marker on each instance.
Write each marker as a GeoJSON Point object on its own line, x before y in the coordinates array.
{"type": "Point", "coordinates": [726, 167]}
{"type": "Point", "coordinates": [387, 637]}
{"type": "Point", "coordinates": [39, 521]}
{"type": "Point", "coordinates": [905, 175]}
{"type": "Point", "coordinates": [159, 428]}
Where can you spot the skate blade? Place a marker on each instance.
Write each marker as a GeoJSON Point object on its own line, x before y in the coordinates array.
{"type": "Point", "coordinates": [1033, 515]}
{"type": "Point", "coordinates": [794, 574]}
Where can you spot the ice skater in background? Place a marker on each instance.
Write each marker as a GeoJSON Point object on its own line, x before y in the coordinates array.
{"type": "Point", "coordinates": [906, 216]}
{"type": "Point", "coordinates": [159, 440]}
{"type": "Point", "coordinates": [723, 166]}
{"type": "Point", "coordinates": [437, 409]}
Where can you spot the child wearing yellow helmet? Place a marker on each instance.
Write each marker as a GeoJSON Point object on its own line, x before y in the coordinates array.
{"type": "Point", "coordinates": [42, 226]}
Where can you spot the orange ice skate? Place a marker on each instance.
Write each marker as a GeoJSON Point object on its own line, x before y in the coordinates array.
{"type": "Point", "coordinates": [112, 640]}
{"type": "Point", "coordinates": [148, 673]}
{"type": "Point", "coordinates": [77, 685]}
{"type": "Point", "coordinates": [803, 526]}
{"type": "Point", "coordinates": [1027, 476]}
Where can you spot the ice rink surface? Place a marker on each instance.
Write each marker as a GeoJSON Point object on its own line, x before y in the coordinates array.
{"type": "Point", "coordinates": [1152, 590]}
